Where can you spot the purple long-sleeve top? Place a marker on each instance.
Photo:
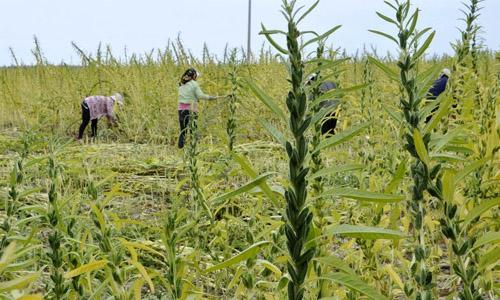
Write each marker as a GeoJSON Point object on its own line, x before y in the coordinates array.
{"type": "Point", "coordinates": [100, 106]}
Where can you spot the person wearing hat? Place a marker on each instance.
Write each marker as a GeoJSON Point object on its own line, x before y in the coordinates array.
{"type": "Point", "coordinates": [189, 94]}
{"type": "Point", "coordinates": [437, 88]}
{"type": "Point", "coordinates": [329, 122]}
{"type": "Point", "coordinates": [94, 107]}
{"type": "Point", "coordinates": [439, 85]}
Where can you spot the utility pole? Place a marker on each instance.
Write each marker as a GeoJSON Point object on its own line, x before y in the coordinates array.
{"type": "Point", "coordinates": [249, 50]}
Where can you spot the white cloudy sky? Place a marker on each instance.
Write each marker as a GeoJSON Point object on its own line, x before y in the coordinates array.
{"type": "Point", "coordinates": [146, 24]}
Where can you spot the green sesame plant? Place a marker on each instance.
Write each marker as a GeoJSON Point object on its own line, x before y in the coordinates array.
{"type": "Point", "coordinates": [134, 229]}
{"type": "Point", "coordinates": [417, 144]}
{"type": "Point", "coordinates": [56, 241]}
{"type": "Point", "coordinates": [192, 153]}
{"type": "Point", "coordinates": [298, 216]}
{"type": "Point", "coordinates": [231, 124]}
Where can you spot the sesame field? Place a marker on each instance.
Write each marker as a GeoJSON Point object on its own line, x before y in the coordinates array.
{"type": "Point", "coordinates": [258, 204]}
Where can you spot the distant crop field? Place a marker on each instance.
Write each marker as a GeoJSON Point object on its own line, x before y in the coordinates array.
{"type": "Point", "coordinates": [401, 202]}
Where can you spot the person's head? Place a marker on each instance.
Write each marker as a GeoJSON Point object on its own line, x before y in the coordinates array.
{"type": "Point", "coordinates": [189, 74]}
{"type": "Point", "coordinates": [313, 77]}
{"type": "Point", "coordinates": [445, 72]}
{"type": "Point", "coordinates": [118, 98]}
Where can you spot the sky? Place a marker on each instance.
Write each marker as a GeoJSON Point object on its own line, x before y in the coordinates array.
{"type": "Point", "coordinates": [143, 25]}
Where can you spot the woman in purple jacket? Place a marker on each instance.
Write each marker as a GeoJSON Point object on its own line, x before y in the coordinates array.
{"type": "Point", "coordinates": [94, 107]}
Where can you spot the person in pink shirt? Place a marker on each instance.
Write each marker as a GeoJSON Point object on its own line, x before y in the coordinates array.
{"type": "Point", "coordinates": [189, 94]}
{"type": "Point", "coordinates": [94, 107]}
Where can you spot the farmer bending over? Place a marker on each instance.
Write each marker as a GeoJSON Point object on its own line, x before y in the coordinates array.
{"type": "Point", "coordinates": [94, 107]}
{"type": "Point", "coordinates": [437, 88]}
{"type": "Point", "coordinates": [189, 94]}
{"type": "Point", "coordinates": [329, 122]}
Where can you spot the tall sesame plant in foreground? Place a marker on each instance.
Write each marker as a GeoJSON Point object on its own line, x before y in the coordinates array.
{"type": "Point", "coordinates": [298, 217]}
{"type": "Point", "coordinates": [416, 137]}
{"type": "Point", "coordinates": [56, 253]}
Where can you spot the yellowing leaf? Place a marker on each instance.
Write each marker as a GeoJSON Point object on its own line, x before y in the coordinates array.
{"type": "Point", "coordinates": [144, 274]}
{"type": "Point", "coordinates": [244, 255]}
{"type": "Point", "coordinates": [99, 216]}
{"type": "Point", "coordinates": [420, 146]}
{"type": "Point", "coordinates": [31, 297]}
{"type": "Point", "coordinates": [236, 277]}
{"type": "Point", "coordinates": [92, 266]}
{"type": "Point", "coordinates": [268, 265]}
{"type": "Point", "coordinates": [448, 186]}
{"type": "Point", "coordinates": [137, 288]}
{"type": "Point", "coordinates": [18, 283]}
{"type": "Point", "coordinates": [394, 276]}
{"type": "Point", "coordinates": [8, 255]}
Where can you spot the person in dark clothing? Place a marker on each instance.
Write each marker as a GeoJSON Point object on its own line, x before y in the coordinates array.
{"type": "Point", "coordinates": [329, 122]}
{"type": "Point", "coordinates": [439, 85]}
{"type": "Point", "coordinates": [86, 120]}
{"type": "Point", "coordinates": [437, 88]}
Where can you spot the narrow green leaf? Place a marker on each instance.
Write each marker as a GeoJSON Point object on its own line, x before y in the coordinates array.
{"type": "Point", "coordinates": [399, 175]}
{"type": "Point", "coordinates": [489, 259]}
{"type": "Point", "coordinates": [417, 36]}
{"type": "Point", "coordinates": [364, 232]}
{"type": "Point", "coordinates": [325, 64]}
{"type": "Point", "coordinates": [220, 200]}
{"type": "Point", "coordinates": [424, 46]}
{"type": "Point", "coordinates": [491, 237]}
{"type": "Point", "coordinates": [354, 283]}
{"type": "Point", "coordinates": [364, 195]}
{"type": "Point", "coordinates": [268, 265]}
{"type": "Point", "coordinates": [320, 115]}
{"type": "Point", "coordinates": [308, 11]}
{"type": "Point", "coordinates": [341, 137]}
{"type": "Point", "coordinates": [387, 19]}
{"type": "Point", "coordinates": [246, 254]}
{"type": "Point", "coordinates": [273, 131]}
{"type": "Point", "coordinates": [273, 32]}
{"type": "Point", "coordinates": [480, 209]}
{"type": "Point", "coordinates": [437, 144]}
{"type": "Point", "coordinates": [28, 192]}
{"type": "Point", "coordinates": [272, 41]}
{"type": "Point", "coordinates": [266, 99]}
{"type": "Point", "coordinates": [469, 169]}
{"type": "Point", "coordinates": [447, 157]}
{"type": "Point", "coordinates": [390, 73]}
{"type": "Point", "coordinates": [391, 5]}
{"type": "Point", "coordinates": [393, 113]}
{"type": "Point", "coordinates": [384, 35]}
{"type": "Point", "coordinates": [413, 19]}
{"type": "Point", "coordinates": [322, 37]}
{"type": "Point", "coordinates": [336, 263]}
{"type": "Point", "coordinates": [247, 168]}
{"type": "Point", "coordinates": [337, 169]}
{"type": "Point", "coordinates": [332, 94]}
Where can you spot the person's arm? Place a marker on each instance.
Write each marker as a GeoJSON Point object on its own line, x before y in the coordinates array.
{"type": "Point", "coordinates": [200, 95]}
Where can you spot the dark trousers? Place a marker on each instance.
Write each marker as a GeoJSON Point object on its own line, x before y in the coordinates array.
{"type": "Point", "coordinates": [185, 117]}
{"type": "Point", "coordinates": [329, 124]}
{"type": "Point", "coordinates": [85, 122]}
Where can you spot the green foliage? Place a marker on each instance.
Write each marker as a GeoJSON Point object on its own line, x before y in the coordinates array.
{"type": "Point", "coordinates": [127, 216]}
